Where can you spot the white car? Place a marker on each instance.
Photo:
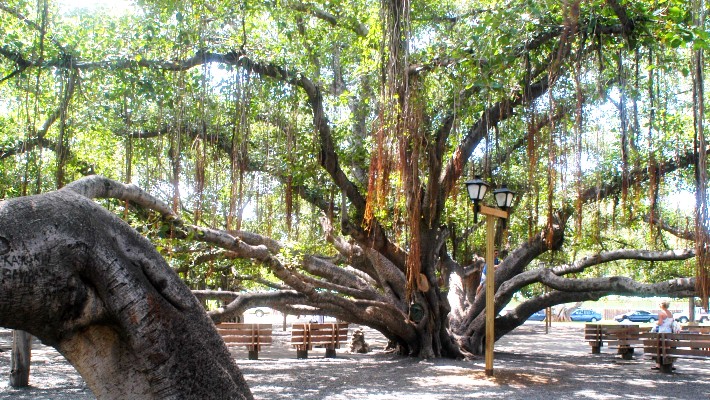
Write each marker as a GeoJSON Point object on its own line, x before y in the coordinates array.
{"type": "Point", "coordinates": [681, 317]}
{"type": "Point", "coordinates": [259, 311]}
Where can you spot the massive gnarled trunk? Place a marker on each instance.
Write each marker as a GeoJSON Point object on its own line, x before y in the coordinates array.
{"type": "Point", "coordinates": [81, 280]}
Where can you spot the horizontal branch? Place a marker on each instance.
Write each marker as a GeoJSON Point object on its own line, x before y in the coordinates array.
{"type": "Point", "coordinates": [575, 290]}
{"type": "Point", "coordinates": [222, 295]}
{"type": "Point", "coordinates": [686, 234]}
{"type": "Point", "coordinates": [99, 187]}
{"type": "Point", "coordinates": [612, 185]}
{"type": "Point", "coordinates": [619, 285]}
{"type": "Point", "coordinates": [528, 277]}
{"type": "Point", "coordinates": [359, 28]}
{"type": "Point", "coordinates": [244, 301]}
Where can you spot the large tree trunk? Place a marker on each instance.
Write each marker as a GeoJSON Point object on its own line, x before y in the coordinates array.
{"type": "Point", "coordinates": [81, 280]}
{"type": "Point", "coordinates": [20, 359]}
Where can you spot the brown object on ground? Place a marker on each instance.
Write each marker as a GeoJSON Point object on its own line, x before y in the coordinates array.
{"type": "Point", "coordinates": [358, 343]}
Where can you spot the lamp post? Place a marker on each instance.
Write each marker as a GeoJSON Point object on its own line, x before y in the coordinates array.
{"type": "Point", "coordinates": [504, 198]}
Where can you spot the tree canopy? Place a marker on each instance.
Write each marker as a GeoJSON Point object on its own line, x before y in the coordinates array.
{"type": "Point", "coordinates": [313, 154]}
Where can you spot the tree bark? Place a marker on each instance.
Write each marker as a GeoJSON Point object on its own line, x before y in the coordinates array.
{"type": "Point", "coordinates": [81, 280]}
{"type": "Point", "coordinates": [20, 359]}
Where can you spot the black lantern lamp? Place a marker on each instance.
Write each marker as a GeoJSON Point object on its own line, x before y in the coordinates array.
{"type": "Point", "coordinates": [504, 199]}
{"type": "Point", "coordinates": [476, 190]}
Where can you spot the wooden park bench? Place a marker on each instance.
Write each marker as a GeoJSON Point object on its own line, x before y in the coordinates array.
{"type": "Point", "coordinates": [665, 348]}
{"type": "Point", "coordinates": [328, 335]}
{"type": "Point", "coordinates": [253, 336]}
{"type": "Point", "coordinates": [622, 337]}
{"type": "Point", "coordinates": [696, 329]}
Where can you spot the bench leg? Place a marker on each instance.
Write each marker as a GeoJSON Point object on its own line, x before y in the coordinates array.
{"type": "Point", "coordinates": [253, 354]}
{"type": "Point", "coordinates": [627, 353]}
{"type": "Point", "coordinates": [301, 354]}
{"type": "Point", "coordinates": [596, 349]}
{"type": "Point", "coordinates": [667, 368]}
{"type": "Point", "coordinates": [329, 353]}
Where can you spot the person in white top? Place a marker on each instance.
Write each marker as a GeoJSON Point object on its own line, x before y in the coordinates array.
{"type": "Point", "coordinates": [664, 324]}
{"type": "Point", "coordinates": [665, 319]}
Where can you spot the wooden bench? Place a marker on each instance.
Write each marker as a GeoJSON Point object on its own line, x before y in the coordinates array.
{"type": "Point", "coordinates": [253, 336]}
{"type": "Point", "coordinates": [696, 329]}
{"type": "Point", "coordinates": [621, 337]}
{"type": "Point", "coordinates": [665, 348]}
{"type": "Point", "coordinates": [330, 336]}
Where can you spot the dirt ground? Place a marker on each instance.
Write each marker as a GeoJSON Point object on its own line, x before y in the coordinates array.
{"type": "Point", "coordinates": [528, 364]}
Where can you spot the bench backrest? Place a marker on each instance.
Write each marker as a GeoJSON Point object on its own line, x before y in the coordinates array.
{"type": "Point", "coordinates": [696, 328]}
{"type": "Point", "coordinates": [242, 334]}
{"type": "Point", "coordinates": [334, 334]}
{"type": "Point", "coordinates": [602, 332]}
{"type": "Point", "coordinates": [679, 344]}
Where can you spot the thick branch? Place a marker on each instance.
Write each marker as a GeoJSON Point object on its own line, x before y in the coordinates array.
{"type": "Point", "coordinates": [516, 283]}
{"type": "Point", "coordinates": [99, 187]}
{"type": "Point", "coordinates": [222, 295]}
{"type": "Point", "coordinates": [626, 22]}
{"type": "Point", "coordinates": [612, 185]}
{"type": "Point", "coordinates": [491, 116]}
{"type": "Point", "coordinates": [686, 234]}
{"type": "Point", "coordinates": [621, 285]}
{"type": "Point", "coordinates": [354, 254]}
{"type": "Point", "coordinates": [244, 301]}
{"type": "Point", "coordinates": [360, 29]}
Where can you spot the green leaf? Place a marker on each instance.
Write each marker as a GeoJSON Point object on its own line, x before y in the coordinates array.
{"type": "Point", "coordinates": [676, 14]}
{"type": "Point", "coordinates": [700, 44]}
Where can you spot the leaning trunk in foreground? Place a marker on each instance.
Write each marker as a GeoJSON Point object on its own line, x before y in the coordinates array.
{"type": "Point", "coordinates": [84, 282]}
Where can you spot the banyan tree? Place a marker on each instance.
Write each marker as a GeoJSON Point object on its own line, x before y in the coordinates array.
{"type": "Point", "coordinates": [312, 155]}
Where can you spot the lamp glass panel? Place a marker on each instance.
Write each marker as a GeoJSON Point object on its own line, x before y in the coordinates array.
{"type": "Point", "coordinates": [476, 189]}
{"type": "Point", "coordinates": [482, 191]}
{"type": "Point", "coordinates": [509, 199]}
{"type": "Point", "coordinates": [501, 198]}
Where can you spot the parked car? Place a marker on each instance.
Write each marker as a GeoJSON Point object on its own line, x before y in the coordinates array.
{"type": "Point", "coordinates": [703, 317]}
{"type": "Point", "coordinates": [637, 316]}
{"type": "Point", "coordinates": [538, 316]}
{"type": "Point", "coordinates": [586, 315]}
{"type": "Point", "coordinates": [681, 317]}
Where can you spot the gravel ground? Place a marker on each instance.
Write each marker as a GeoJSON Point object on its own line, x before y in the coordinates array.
{"type": "Point", "coordinates": [528, 364]}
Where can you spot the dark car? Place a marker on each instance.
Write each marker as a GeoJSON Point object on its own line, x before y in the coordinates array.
{"type": "Point", "coordinates": [637, 316]}
{"type": "Point", "coordinates": [583, 314]}
{"type": "Point", "coordinates": [538, 316]}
